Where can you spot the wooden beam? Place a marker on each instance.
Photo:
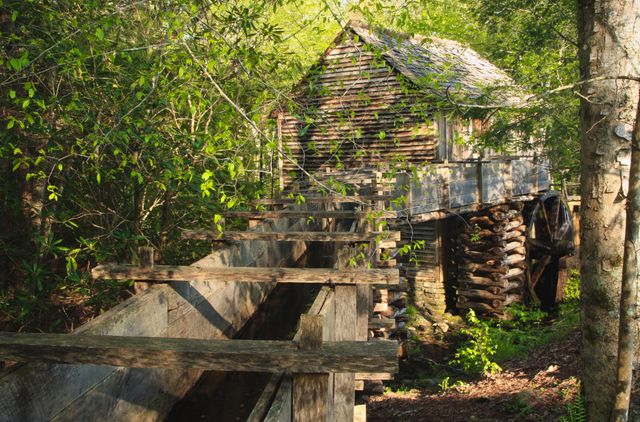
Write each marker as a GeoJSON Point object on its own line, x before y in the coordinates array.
{"type": "Point", "coordinates": [345, 327]}
{"type": "Point", "coordinates": [323, 199]}
{"type": "Point", "coordinates": [374, 377]}
{"type": "Point", "coordinates": [374, 276]}
{"type": "Point", "coordinates": [291, 236]}
{"type": "Point", "coordinates": [263, 404]}
{"type": "Point", "coordinates": [280, 410]}
{"type": "Point", "coordinates": [180, 353]}
{"type": "Point", "coordinates": [310, 391]}
{"type": "Point", "coordinates": [310, 213]}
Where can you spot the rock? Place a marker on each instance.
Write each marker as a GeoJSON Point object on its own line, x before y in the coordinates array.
{"type": "Point", "coordinates": [389, 312]}
{"type": "Point", "coordinates": [380, 308]}
{"type": "Point", "coordinates": [441, 326]}
{"type": "Point", "coordinates": [455, 321]}
{"type": "Point", "coordinates": [421, 323]}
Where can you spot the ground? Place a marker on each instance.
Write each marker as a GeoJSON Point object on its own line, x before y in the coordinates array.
{"type": "Point", "coordinates": [536, 388]}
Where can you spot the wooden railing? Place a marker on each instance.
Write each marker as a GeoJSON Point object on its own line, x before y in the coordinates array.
{"type": "Point", "coordinates": [445, 187]}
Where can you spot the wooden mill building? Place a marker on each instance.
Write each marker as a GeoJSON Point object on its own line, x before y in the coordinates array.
{"type": "Point", "coordinates": [383, 112]}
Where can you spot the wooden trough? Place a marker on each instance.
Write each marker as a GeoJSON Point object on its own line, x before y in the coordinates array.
{"type": "Point", "coordinates": [195, 310]}
{"type": "Point", "coordinates": [316, 362]}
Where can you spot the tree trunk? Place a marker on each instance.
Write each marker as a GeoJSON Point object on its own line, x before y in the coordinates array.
{"type": "Point", "coordinates": [628, 299]}
{"type": "Point", "coordinates": [608, 48]}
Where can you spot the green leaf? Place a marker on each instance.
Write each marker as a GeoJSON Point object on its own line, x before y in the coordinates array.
{"type": "Point", "coordinates": [98, 178]}
{"type": "Point", "coordinates": [12, 94]}
{"type": "Point", "coordinates": [100, 34]}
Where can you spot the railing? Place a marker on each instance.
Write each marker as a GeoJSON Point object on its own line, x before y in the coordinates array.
{"type": "Point", "coordinates": [459, 185]}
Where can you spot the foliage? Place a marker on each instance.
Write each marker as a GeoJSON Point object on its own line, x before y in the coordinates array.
{"type": "Point", "coordinates": [525, 329]}
{"type": "Point", "coordinates": [518, 405]}
{"type": "Point", "coordinates": [446, 384]}
{"type": "Point", "coordinates": [572, 288]}
{"type": "Point", "coordinates": [576, 411]}
{"type": "Point", "coordinates": [477, 353]}
{"type": "Point", "coordinates": [116, 135]}
{"type": "Point", "coordinates": [536, 41]}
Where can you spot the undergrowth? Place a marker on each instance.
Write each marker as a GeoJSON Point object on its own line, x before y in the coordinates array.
{"type": "Point", "coordinates": [489, 342]}
{"type": "Point", "coordinates": [576, 412]}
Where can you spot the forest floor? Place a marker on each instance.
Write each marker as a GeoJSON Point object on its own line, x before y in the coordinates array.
{"type": "Point", "coordinates": [542, 385]}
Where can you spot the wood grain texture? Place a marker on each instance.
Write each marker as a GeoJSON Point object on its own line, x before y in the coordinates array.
{"type": "Point", "coordinates": [247, 274]}
{"type": "Point", "coordinates": [262, 406]}
{"type": "Point", "coordinates": [310, 390]}
{"type": "Point", "coordinates": [313, 199]}
{"type": "Point", "coordinates": [37, 391]}
{"type": "Point", "coordinates": [281, 409]}
{"type": "Point", "coordinates": [224, 355]}
{"type": "Point", "coordinates": [345, 329]}
{"type": "Point", "coordinates": [309, 213]}
{"type": "Point", "coordinates": [290, 236]}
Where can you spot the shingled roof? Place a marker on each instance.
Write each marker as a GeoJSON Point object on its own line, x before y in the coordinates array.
{"type": "Point", "coordinates": [447, 64]}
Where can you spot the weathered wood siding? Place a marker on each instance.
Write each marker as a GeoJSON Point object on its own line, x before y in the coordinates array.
{"type": "Point", "coordinates": [35, 392]}
{"type": "Point", "coordinates": [353, 111]}
{"type": "Point", "coordinates": [425, 273]}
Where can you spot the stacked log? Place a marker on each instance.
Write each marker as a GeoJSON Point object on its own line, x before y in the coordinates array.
{"type": "Point", "coordinates": [492, 259]}
{"type": "Point", "coordinates": [389, 312]}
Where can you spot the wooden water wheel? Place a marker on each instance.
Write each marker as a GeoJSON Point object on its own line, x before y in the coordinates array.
{"type": "Point", "coordinates": [549, 242]}
{"type": "Point", "coordinates": [514, 252]}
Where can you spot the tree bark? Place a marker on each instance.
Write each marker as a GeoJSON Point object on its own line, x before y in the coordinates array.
{"type": "Point", "coordinates": [628, 299]}
{"type": "Point", "coordinates": [609, 46]}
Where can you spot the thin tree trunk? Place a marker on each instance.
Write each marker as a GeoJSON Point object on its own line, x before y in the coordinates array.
{"type": "Point", "coordinates": [628, 298]}
{"type": "Point", "coordinates": [608, 47]}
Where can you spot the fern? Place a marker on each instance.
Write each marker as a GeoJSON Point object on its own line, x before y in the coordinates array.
{"type": "Point", "coordinates": [576, 411]}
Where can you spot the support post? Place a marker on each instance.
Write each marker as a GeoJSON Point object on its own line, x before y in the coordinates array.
{"type": "Point", "coordinates": [145, 260]}
{"type": "Point", "coordinates": [310, 390]}
{"type": "Point", "coordinates": [345, 323]}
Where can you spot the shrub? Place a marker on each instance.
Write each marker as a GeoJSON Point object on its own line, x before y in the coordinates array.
{"type": "Point", "coordinates": [476, 354]}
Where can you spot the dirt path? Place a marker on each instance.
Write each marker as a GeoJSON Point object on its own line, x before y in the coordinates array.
{"type": "Point", "coordinates": [537, 388]}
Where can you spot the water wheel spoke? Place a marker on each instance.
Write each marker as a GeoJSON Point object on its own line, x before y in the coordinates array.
{"type": "Point", "coordinates": [538, 248]}
{"type": "Point", "coordinates": [546, 220]}
{"type": "Point", "coordinates": [537, 244]}
{"type": "Point", "coordinates": [557, 217]}
{"type": "Point", "coordinates": [539, 270]}
{"type": "Point", "coordinates": [563, 247]}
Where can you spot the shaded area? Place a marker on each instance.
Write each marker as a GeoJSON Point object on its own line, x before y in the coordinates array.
{"type": "Point", "coordinates": [537, 388]}
{"type": "Point", "coordinates": [230, 396]}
